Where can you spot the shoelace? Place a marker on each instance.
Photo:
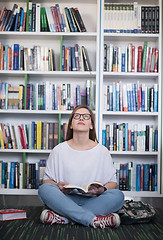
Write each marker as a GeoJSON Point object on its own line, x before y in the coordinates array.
{"type": "Point", "coordinates": [106, 222]}
{"type": "Point", "coordinates": [56, 220]}
{"type": "Point", "coordinates": [51, 217]}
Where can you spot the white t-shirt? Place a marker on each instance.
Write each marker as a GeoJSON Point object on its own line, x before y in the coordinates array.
{"type": "Point", "coordinates": [66, 164]}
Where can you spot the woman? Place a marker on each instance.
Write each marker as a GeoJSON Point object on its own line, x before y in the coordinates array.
{"type": "Point", "coordinates": [78, 160]}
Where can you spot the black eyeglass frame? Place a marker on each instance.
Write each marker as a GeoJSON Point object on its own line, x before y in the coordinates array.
{"type": "Point", "coordinates": [82, 114]}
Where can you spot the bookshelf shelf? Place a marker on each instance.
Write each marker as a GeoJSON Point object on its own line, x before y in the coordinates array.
{"type": "Point", "coordinates": [131, 74]}
{"type": "Point", "coordinates": [72, 74]}
{"type": "Point", "coordinates": [131, 36]}
{"type": "Point", "coordinates": [19, 192]}
{"type": "Point", "coordinates": [24, 151]}
{"type": "Point", "coordinates": [49, 34]}
{"type": "Point", "coordinates": [152, 114]}
{"type": "Point", "coordinates": [140, 194]}
{"type": "Point", "coordinates": [10, 111]}
{"type": "Point", "coordinates": [133, 153]}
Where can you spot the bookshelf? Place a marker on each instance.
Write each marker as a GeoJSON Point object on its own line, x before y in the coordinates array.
{"type": "Point", "coordinates": [94, 39]}
{"type": "Point", "coordinates": [121, 39]}
{"type": "Point", "coordinates": [89, 39]}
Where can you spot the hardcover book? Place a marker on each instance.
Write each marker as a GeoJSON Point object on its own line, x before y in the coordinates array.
{"type": "Point", "coordinates": [12, 214]}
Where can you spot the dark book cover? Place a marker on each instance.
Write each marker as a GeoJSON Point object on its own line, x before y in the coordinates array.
{"type": "Point", "coordinates": [152, 166]}
{"type": "Point", "coordinates": [153, 20]}
{"type": "Point", "coordinates": [115, 136]}
{"type": "Point", "coordinates": [147, 138]}
{"type": "Point", "coordinates": [19, 17]}
{"type": "Point", "coordinates": [87, 65]}
{"type": "Point", "coordinates": [105, 57]}
{"type": "Point", "coordinates": [80, 20]}
{"type": "Point", "coordinates": [50, 137]}
{"type": "Point", "coordinates": [73, 20]}
{"type": "Point", "coordinates": [145, 177]}
{"type": "Point", "coordinates": [56, 132]}
{"type": "Point", "coordinates": [69, 19]}
{"type": "Point", "coordinates": [143, 19]}
{"type": "Point", "coordinates": [157, 19]}
{"type": "Point", "coordinates": [33, 17]}
{"type": "Point", "coordinates": [149, 24]}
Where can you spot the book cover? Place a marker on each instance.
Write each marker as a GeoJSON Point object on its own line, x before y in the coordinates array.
{"type": "Point", "coordinates": [16, 57]}
{"type": "Point", "coordinates": [138, 177]}
{"type": "Point", "coordinates": [80, 20]}
{"type": "Point", "coordinates": [145, 177]}
{"type": "Point", "coordinates": [87, 65]}
{"type": "Point", "coordinates": [69, 19]}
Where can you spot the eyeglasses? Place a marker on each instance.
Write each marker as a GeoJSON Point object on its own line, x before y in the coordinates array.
{"type": "Point", "coordinates": [85, 116]}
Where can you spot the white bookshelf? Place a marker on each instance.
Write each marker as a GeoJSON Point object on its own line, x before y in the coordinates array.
{"type": "Point", "coordinates": [153, 118]}
{"type": "Point", "coordinates": [93, 40]}
{"type": "Point", "coordinates": [89, 11]}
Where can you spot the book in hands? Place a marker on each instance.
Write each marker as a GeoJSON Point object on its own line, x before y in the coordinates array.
{"type": "Point", "coordinates": [85, 187]}
{"type": "Point", "coordinates": [12, 214]}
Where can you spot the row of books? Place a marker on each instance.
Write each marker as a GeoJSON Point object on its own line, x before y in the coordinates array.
{"type": "Point", "coordinates": [16, 57]}
{"type": "Point", "coordinates": [75, 59]}
{"type": "Point", "coordinates": [131, 18]}
{"type": "Point", "coordinates": [132, 97]}
{"type": "Point", "coordinates": [11, 174]}
{"type": "Point", "coordinates": [41, 58]}
{"type": "Point", "coordinates": [130, 58]}
{"type": "Point", "coordinates": [134, 176]}
{"type": "Point", "coordinates": [130, 137]}
{"type": "Point", "coordinates": [35, 135]}
{"type": "Point", "coordinates": [41, 19]}
{"type": "Point", "coordinates": [47, 96]}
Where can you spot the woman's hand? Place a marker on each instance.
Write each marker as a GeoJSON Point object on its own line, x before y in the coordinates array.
{"type": "Point", "coordinates": [96, 190]}
{"type": "Point", "coordinates": [62, 189]}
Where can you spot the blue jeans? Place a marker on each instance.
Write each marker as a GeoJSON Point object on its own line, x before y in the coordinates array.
{"type": "Point", "coordinates": [81, 209]}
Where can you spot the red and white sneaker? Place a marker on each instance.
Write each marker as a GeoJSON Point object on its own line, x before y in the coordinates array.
{"type": "Point", "coordinates": [48, 216]}
{"type": "Point", "coordinates": [111, 220]}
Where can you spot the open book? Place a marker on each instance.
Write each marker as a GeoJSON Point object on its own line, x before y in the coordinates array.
{"type": "Point", "coordinates": [85, 187]}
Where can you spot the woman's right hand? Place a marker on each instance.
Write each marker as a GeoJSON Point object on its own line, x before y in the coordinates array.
{"type": "Point", "coordinates": [61, 187]}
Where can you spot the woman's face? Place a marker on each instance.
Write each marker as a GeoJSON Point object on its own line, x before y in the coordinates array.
{"type": "Point", "coordinates": [81, 120]}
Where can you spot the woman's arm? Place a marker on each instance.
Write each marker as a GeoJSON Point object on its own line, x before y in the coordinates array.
{"type": "Point", "coordinates": [60, 185]}
{"type": "Point", "coordinates": [110, 185]}
{"type": "Point", "coordinates": [49, 181]}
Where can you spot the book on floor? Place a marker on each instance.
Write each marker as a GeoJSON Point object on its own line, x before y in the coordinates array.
{"type": "Point", "coordinates": [12, 214]}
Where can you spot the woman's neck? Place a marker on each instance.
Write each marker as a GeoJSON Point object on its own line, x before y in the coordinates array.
{"type": "Point", "coordinates": [81, 142]}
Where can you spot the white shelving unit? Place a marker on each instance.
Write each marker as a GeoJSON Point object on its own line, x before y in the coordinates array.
{"type": "Point", "coordinates": [92, 13]}
{"type": "Point", "coordinates": [153, 118]}
{"type": "Point", "coordinates": [89, 11]}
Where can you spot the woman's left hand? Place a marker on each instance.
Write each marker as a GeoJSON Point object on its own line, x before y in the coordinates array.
{"type": "Point", "coordinates": [96, 190]}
